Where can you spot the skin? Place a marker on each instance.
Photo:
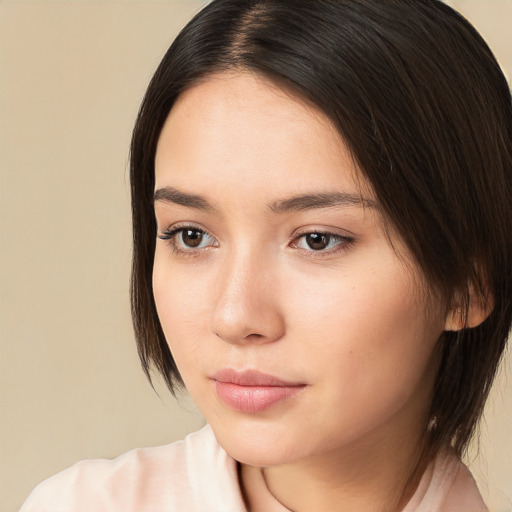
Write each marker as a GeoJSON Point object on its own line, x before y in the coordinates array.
{"type": "Point", "coordinates": [348, 321]}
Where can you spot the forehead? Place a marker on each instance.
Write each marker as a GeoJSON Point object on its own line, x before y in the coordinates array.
{"type": "Point", "coordinates": [243, 130]}
{"type": "Point", "coordinates": [236, 94]}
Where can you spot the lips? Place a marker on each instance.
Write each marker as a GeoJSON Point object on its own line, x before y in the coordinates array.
{"type": "Point", "coordinates": [252, 391]}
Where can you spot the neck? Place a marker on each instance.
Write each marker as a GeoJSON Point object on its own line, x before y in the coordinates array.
{"type": "Point", "coordinates": [375, 484]}
{"type": "Point", "coordinates": [378, 474]}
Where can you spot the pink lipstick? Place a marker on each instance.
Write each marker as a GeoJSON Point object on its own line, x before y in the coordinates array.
{"type": "Point", "coordinates": [252, 391]}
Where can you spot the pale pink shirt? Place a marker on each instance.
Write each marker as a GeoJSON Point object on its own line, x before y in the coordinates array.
{"type": "Point", "coordinates": [197, 475]}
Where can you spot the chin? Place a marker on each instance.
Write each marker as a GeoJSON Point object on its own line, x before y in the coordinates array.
{"type": "Point", "coordinates": [258, 445]}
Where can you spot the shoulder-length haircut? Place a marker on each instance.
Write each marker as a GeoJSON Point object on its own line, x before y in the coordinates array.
{"type": "Point", "coordinates": [426, 112]}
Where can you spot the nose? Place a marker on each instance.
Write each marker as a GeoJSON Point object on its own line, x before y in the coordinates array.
{"type": "Point", "coordinates": [247, 308]}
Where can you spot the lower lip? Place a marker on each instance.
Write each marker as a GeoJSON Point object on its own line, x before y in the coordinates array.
{"type": "Point", "coordinates": [254, 398]}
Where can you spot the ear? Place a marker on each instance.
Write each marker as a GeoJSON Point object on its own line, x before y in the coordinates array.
{"type": "Point", "coordinates": [481, 304]}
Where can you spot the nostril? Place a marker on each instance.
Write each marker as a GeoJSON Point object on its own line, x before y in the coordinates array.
{"type": "Point", "coordinates": [254, 336]}
{"type": "Point", "coordinates": [248, 337]}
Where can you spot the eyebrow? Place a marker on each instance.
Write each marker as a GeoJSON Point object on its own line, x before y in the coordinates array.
{"type": "Point", "coordinates": [298, 203]}
{"type": "Point", "coordinates": [321, 200]}
{"type": "Point", "coordinates": [173, 195]}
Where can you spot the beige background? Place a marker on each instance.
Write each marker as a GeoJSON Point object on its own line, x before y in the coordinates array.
{"type": "Point", "coordinates": [72, 74]}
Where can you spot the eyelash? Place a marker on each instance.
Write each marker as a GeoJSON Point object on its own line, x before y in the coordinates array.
{"type": "Point", "coordinates": [343, 242]}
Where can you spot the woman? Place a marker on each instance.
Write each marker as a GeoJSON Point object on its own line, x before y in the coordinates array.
{"type": "Point", "coordinates": [322, 256]}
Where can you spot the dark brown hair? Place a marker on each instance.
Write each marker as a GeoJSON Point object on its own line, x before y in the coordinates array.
{"type": "Point", "coordinates": [422, 104]}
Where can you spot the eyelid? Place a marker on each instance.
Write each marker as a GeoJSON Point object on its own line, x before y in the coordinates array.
{"type": "Point", "coordinates": [324, 230]}
{"type": "Point", "coordinates": [327, 230]}
{"type": "Point", "coordinates": [174, 228]}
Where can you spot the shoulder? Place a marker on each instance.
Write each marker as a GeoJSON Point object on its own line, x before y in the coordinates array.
{"type": "Point", "coordinates": [447, 486]}
{"type": "Point", "coordinates": [101, 484]}
{"type": "Point", "coordinates": [464, 494]}
{"type": "Point", "coordinates": [141, 480]}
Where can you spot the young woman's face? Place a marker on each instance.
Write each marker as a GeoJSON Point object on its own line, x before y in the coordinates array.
{"type": "Point", "coordinates": [297, 328]}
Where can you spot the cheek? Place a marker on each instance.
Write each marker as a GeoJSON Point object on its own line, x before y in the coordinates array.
{"type": "Point", "coordinates": [361, 308]}
{"type": "Point", "coordinates": [367, 338]}
{"type": "Point", "coordinates": [180, 312]}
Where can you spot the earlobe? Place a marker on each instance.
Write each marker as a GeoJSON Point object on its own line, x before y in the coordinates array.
{"type": "Point", "coordinates": [462, 316]}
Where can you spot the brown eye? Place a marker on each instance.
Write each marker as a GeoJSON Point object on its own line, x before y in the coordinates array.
{"type": "Point", "coordinates": [317, 241]}
{"type": "Point", "coordinates": [322, 244]}
{"type": "Point", "coordinates": [188, 240]}
{"type": "Point", "coordinates": [192, 237]}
